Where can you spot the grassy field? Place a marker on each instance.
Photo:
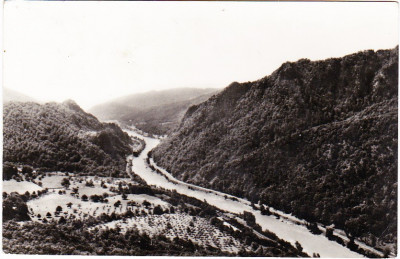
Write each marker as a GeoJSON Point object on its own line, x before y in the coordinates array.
{"type": "Point", "coordinates": [20, 187]}
{"type": "Point", "coordinates": [74, 206]}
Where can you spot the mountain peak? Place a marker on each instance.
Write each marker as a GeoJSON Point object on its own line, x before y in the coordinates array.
{"type": "Point", "coordinates": [71, 104]}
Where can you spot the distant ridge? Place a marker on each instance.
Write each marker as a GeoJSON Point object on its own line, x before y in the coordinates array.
{"type": "Point", "coordinates": [11, 95]}
{"type": "Point", "coordinates": [155, 112]}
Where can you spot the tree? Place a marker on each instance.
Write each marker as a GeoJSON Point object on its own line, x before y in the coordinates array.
{"type": "Point", "coordinates": [158, 210]}
{"type": "Point", "coordinates": [169, 226]}
{"type": "Point", "coordinates": [131, 204]}
{"type": "Point", "coordinates": [89, 183]}
{"type": "Point", "coordinates": [124, 197]}
{"type": "Point", "coordinates": [9, 171]}
{"type": "Point", "coordinates": [329, 232]}
{"type": "Point", "coordinates": [299, 247]}
{"type": "Point", "coordinates": [128, 214]}
{"type": "Point", "coordinates": [95, 198]}
{"type": "Point", "coordinates": [65, 182]}
{"type": "Point", "coordinates": [62, 220]}
{"type": "Point", "coordinates": [146, 203]}
{"type": "Point", "coordinates": [351, 244]}
{"type": "Point", "coordinates": [249, 218]}
{"type": "Point", "coordinates": [117, 203]}
{"type": "Point", "coordinates": [14, 207]}
{"type": "Point", "coordinates": [69, 204]}
{"type": "Point", "coordinates": [313, 227]}
{"type": "Point", "coordinates": [84, 197]}
{"type": "Point", "coordinates": [265, 210]}
{"type": "Point", "coordinates": [27, 170]}
{"type": "Point", "coordinates": [58, 209]}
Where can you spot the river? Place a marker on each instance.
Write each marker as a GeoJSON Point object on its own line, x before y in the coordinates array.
{"type": "Point", "coordinates": [284, 229]}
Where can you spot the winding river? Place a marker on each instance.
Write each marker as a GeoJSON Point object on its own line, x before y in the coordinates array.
{"type": "Point", "coordinates": [284, 229]}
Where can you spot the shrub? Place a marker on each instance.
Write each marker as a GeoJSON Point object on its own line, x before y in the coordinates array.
{"type": "Point", "coordinates": [65, 182]}
{"type": "Point", "coordinates": [14, 207]}
{"type": "Point", "coordinates": [9, 170]}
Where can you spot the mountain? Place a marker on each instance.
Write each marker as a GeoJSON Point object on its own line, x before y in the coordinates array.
{"type": "Point", "coordinates": [11, 95]}
{"type": "Point", "coordinates": [155, 112]}
{"type": "Point", "coordinates": [62, 137]}
{"type": "Point", "coordinates": [315, 138]}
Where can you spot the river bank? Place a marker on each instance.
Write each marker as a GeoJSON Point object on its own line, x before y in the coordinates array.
{"type": "Point", "coordinates": [286, 229]}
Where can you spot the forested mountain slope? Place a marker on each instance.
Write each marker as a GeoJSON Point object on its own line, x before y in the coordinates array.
{"type": "Point", "coordinates": [315, 138]}
{"type": "Point", "coordinates": [155, 112]}
{"type": "Point", "coordinates": [62, 137]}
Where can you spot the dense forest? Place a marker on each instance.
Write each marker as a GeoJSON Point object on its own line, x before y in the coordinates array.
{"type": "Point", "coordinates": [315, 138]}
{"type": "Point", "coordinates": [62, 137]}
{"type": "Point", "coordinates": [155, 112]}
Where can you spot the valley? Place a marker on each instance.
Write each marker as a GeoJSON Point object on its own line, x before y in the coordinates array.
{"type": "Point", "coordinates": [301, 163]}
{"type": "Point", "coordinates": [106, 203]}
{"type": "Point", "coordinates": [200, 129]}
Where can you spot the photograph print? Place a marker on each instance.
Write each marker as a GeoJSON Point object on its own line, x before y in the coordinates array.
{"type": "Point", "coordinates": [225, 128]}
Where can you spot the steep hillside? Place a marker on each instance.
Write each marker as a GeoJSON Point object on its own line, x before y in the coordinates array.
{"type": "Point", "coordinates": [62, 137]}
{"type": "Point", "coordinates": [315, 138]}
{"type": "Point", "coordinates": [155, 112]}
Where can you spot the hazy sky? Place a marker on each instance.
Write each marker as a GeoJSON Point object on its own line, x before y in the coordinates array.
{"type": "Point", "coordinates": [95, 51]}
